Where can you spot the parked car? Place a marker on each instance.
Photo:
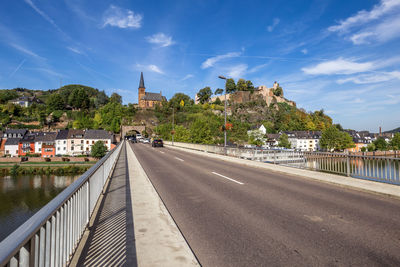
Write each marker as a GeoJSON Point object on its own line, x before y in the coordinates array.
{"type": "Point", "coordinates": [157, 142]}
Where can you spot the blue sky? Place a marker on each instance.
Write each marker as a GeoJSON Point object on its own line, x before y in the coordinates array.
{"type": "Point", "coordinates": [342, 56]}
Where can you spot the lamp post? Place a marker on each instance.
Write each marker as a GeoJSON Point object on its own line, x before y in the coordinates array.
{"type": "Point", "coordinates": [224, 78]}
{"type": "Point", "coordinates": [173, 124]}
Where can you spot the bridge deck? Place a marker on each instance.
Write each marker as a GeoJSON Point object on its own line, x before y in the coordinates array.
{"type": "Point", "coordinates": [111, 241]}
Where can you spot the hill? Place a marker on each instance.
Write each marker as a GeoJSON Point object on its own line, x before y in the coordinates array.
{"type": "Point", "coordinates": [397, 130]}
{"type": "Point", "coordinates": [71, 106]}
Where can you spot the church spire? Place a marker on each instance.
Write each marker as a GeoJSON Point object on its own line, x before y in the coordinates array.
{"type": "Point", "coordinates": [141, 83]}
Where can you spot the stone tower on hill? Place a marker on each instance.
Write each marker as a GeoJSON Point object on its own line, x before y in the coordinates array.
{"type": "Point", "coordinates": [146, 99]}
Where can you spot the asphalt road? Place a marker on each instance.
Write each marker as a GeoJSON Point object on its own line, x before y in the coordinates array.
{"type": "Point", "coordinates": [234, 215]}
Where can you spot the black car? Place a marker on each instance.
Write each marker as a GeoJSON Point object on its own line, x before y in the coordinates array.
{"type": "Point", "coordinates": [157, 142]}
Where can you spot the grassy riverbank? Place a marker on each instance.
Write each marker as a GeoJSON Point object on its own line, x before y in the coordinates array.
{"type": "Point", "coordinates": [41, 168]}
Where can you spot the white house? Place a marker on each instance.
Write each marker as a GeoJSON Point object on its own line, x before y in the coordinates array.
{"type": "Point", "coordinates": [92, 136]}
{"type": "Point", "coordinates": [11, 147]}
{"type": "Point", "coordinates": [45, 138]}
{"type": "Point", "coordinates": [61, 142]}
{"type": "Point", "coordinates": [304, 140]}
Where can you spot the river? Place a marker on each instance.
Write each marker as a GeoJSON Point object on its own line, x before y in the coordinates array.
{"type": "Point", "coordinates": [22, 196]}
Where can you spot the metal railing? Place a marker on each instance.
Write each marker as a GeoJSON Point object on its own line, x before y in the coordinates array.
{"type": "Point", "coordinates": [381, 169]}
{"type": "Point", "coordinates": [51, 235]}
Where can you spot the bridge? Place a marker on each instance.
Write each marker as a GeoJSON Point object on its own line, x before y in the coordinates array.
{"type": "Point", "coordinates": [184, 206]}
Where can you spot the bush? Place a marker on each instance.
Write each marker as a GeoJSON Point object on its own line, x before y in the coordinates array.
{"type": "Point", "coordinates": [47, 159]}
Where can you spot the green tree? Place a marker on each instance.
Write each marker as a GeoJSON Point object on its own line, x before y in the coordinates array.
{"type": "Point", "coordinates": [250, 86]}
{"type": "Point", "coordinates": [284, 141]}
{"type": "Point", "coordinates": [241, 85]}
{"type": "Point", "coordinates": [55, 102]}
{"type": "Point", "coordinates": [203, 96]}
{"type": "Point", "coordinates": [363, 149]}
{"type": "Point", "coordinates": [99, 150]}
{"type": "Point", "coordinates": [380, 144]}
{"type": "Point", "coordinates": [230, 86]}
{"type": "Point", "coordinates": [278, 91]}
{"type": "Point", "coordinates": [218, 91]}
{"type": "Point", "coordinates": [395, 142]}
{"type": "Point", "coordinates": [116, 98]}
{"type": "Point", "coordinates": [333, 139]}
{"type": "Point", "coordinates": [176, 100]}
{"type": "Point", "coordinates": [101, 99]}
{"type": "Point", "coordinates": [371, 147]}
{"type": "Point", "coordinates": [79, 99]}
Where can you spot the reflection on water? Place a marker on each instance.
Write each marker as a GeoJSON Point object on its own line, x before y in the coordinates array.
{"type": "Point", "coordinates": [22, 196]}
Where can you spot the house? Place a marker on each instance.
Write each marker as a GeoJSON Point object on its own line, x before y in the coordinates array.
{"type": "Point", "coordinates": [61, 142]}
{"type": "Point", "coordinates": [359, 143]}
{"type": "Point", "coordinates": [2, 144]}
{"type": "Point", "coordinates": [92, 136]}
{"type": "Point", "coordinates": [304, 140]}
{"type": "Point", "coordinates": [26, 101]}
{"type": "Point", "coordinates": [26, 145]}
{"type": "Point", "coordinates": [11, 147]}
{"type": "Point", "coordinates": [75, 142]}
{"type": "Point", "coordinates": [14, 133]}
{"type": "Point", "coordinates": [147, 99]}
{"type": "Point", "coordinates": [272, 140]}
{"type": "Point", "coordinates": [45, 144]}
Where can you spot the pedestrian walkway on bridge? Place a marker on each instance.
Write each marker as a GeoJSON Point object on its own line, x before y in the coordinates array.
{"type": "Point", "coordinates": [132, 227]}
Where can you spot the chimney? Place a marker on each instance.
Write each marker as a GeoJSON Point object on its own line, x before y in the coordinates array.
{"type": "Point", "coordinates": [380, 131]}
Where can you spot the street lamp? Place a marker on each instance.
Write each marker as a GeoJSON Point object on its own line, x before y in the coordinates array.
{"type": "Point", "coordinates": [224, 78]}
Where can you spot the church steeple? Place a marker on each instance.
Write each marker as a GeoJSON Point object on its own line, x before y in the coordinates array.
{"type": "Point", "coordinates": [141, 83]}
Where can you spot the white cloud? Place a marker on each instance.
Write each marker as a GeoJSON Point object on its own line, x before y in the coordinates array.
{"type": "Point", "coordinates": [237, 71]}
{"type": "Point", "coordinates": [257, 68]}
{"type": "Point", "coordinates": [210, 62]}
{"type": "Point", "coordinates": [304, 51]}
{"type": "Point", "coordinates": [339, 66]}
{"type": "Point", "coordinates": [187, 77]}
{"type": "Point", "coordinates": [160, 39]}
{"type": "Point", "coordinates": [121, 18]}
{"type": "Point", "coordinates": [75, 50]}
{"type": "Point", "coordinates": [45, 16]}
{"type": "Point", "coordinates": [26, 51]}
{"type": "Point", "coordinates": [150, 67]}
{"type": "Point", "coordinates": [271, 27]}
{"type": "Point", "coordinates": [384, 8]}
{"type": "Point", "coordinates": [372, 78]}
{"type": "Point", "coordinates": [17, 68]}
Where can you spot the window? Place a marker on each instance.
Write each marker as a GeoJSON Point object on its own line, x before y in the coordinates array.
{"type": "Point", "coordinates": [87, 142]}
{"type": "Point", "coordinates": [40, 149]}
{"type": "Point", "coordinates": [65, 148]}
{"type": "Point", "coordinates": [65, 141]}
{"type": "Point", "coordinates": [72, 141]}
{"type": "Point", "coordinates": [92, 142]}
{"type": "Point", "coordinates": [81, 141]}
{"type": "Point", "coordinates": [105, 142]}
{"type": "Point", "coordinates": [58, 148]}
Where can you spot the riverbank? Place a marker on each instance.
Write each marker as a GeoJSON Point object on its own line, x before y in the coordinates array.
{"type": "Point", "coordinates": [36, 168]}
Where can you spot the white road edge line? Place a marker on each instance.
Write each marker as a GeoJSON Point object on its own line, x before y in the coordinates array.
{"type": "Point", "coordinates": [230, 179]}
{"type": "Point", "coordinates": [162, 152]}
{"type": "Point", "coordinates": [179, 159]}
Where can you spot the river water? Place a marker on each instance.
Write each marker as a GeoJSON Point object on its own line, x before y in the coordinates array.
{"type": "Point", "coordinates": [22, 196]}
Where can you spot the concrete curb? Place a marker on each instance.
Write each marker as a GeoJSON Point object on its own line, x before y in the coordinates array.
{"type": "Point", "coordinates": [158, 240]}
{"type": "Point", "coordinates": [354, 183]}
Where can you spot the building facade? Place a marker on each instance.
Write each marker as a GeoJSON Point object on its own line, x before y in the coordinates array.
{"type": "Point", "coordinates": [147, 99]}
{"type": "Point", "coordinates": [92, 136]}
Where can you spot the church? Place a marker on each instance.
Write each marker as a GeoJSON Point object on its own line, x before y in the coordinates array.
{"type": "Point", "coordinates": [147, 99]}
